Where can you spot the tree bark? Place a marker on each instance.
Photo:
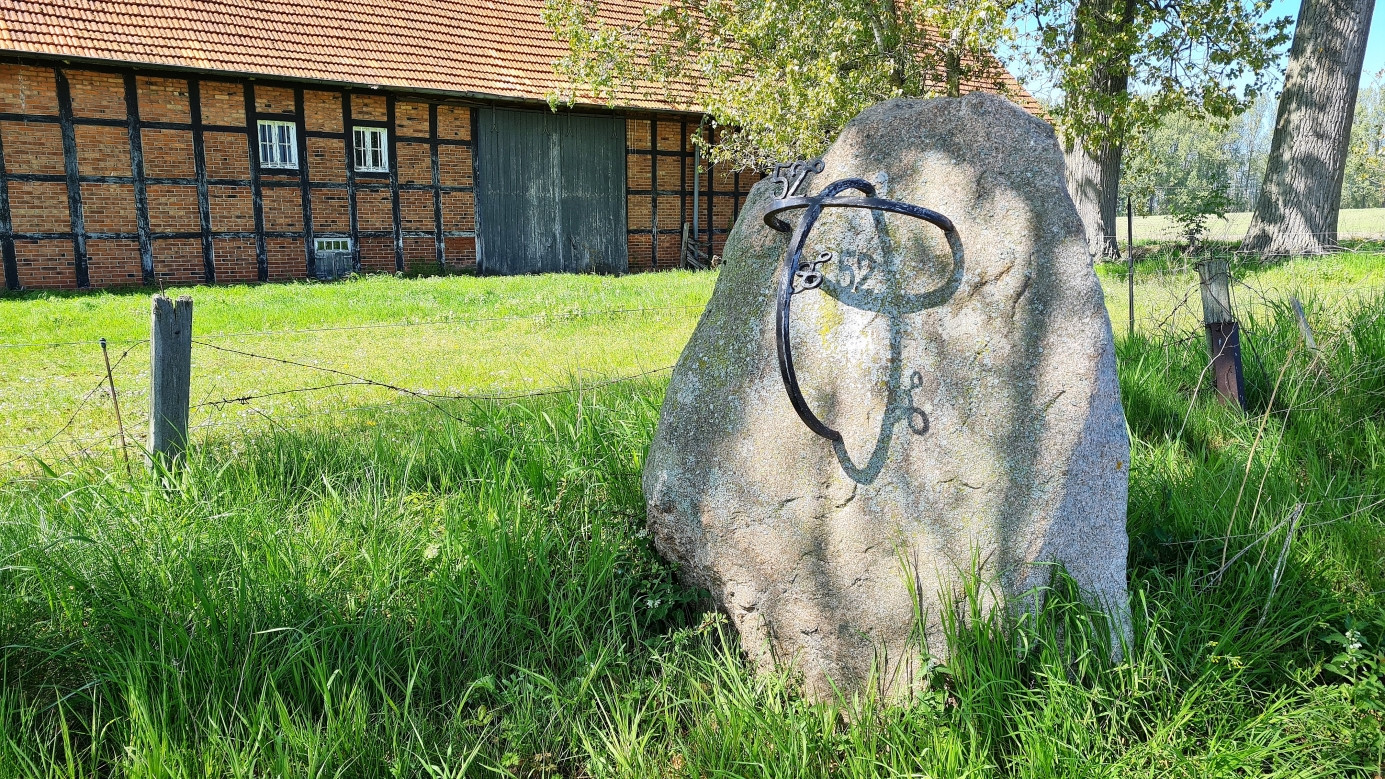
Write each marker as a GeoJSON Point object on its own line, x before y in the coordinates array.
{"type": "Point", "coordinates": [1094, 160]}
{"type": "Point", "coordinates": [952, 65]}
{"type": "Point", "coordinates": [1094, 183]}
{"type": "Point", "coordinates": [1296, 212]}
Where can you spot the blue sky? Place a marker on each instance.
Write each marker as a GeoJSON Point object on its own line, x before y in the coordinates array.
{"type": "Point", "coordinates": [1375, 47]}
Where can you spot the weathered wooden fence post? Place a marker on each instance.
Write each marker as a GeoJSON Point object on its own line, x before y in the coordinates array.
{"type": "Point", "coordinates": [170, 378]}
{"type": "Point", "coordinates": [1223, 333]}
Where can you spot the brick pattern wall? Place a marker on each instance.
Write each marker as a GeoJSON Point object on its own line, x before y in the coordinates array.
{"type": "Point", "coordinates": [660, 182]}
{"type": "Point", "coordinates": [433, 218]}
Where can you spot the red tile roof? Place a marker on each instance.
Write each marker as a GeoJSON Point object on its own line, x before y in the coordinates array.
{"type": "Point", "coordinates": [496, 48]}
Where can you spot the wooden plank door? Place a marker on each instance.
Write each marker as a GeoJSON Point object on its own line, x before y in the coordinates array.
{"type": "Point", "coordinates": [550, 192]}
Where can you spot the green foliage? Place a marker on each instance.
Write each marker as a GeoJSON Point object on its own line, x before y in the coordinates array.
{"type": "Point", "coordinates": [781, 76]}
{"type": "Point", "coordinates": [1185, 167]}
{"type": "Point", "coordinates": [1361, 662]}
{"type": "Point", "coordinates": [411, 594]}
{"type": "Point", "coordinates": [1174, 163]}
{"type": "Point", "coordinates": [1191, 208]}
{"type": "Point", "coordinates": [1363, 184]}
{"type": "Point", "coordinates": [1122, 65]}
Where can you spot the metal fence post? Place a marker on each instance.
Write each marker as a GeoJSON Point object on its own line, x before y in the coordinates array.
{"type": "Point", "coordinates": [1223, 333]}
{"type": "Point", "coordinates": [170, 378]}
{"type": "Point", "coordinates": [1130, 256]}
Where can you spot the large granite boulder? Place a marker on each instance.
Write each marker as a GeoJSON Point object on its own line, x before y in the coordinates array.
{"type": "Point", "coordinates": [978, 405]}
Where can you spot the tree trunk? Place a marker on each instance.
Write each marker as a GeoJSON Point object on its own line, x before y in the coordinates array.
{"type": "Point", "coordinates": [1296, 212]}
{"type": "Point", "coordinates": [952, 64]}
{"type": "Point", "coordinates": [1094, 183]}
{"type": "Point", "coordinates": [1094, 160]}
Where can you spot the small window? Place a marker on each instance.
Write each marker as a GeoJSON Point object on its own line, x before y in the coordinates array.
{"type": "Point", "coordinates": [334, 244]}
{"type": "Point", "coordinates": [371, 155]}
{"type": "Point", "coordinates": [278, 145]}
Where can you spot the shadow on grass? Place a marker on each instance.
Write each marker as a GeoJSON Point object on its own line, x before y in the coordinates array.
{"type": "Point", "coordinates": [410, 590]}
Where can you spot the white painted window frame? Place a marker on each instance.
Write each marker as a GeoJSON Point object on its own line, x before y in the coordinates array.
{"type": "Point", "coordinates": [332, 244]}
{"type": "Point", "coordinates": [278, 144]}
{"type": "Point", "coordinates": [371, 149]}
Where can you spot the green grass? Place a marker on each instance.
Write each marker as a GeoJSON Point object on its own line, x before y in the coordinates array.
{"type": "Point", "coordinates": [403, 592]}
{"type": "Point", "coordinates": [1354, 223]}
{"type": "Point", "coordinates": [464, 336]}
{"type": "Point", "coordinates": [1167, 299]}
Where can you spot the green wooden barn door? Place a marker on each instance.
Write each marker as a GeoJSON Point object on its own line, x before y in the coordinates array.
{"type": "Point", "coordinates": [550, 192]}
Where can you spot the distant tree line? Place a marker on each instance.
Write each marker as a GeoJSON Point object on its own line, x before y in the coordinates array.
{"type": "Point", "coordinates": [1183, 164]}
{"type": "Point", "coordinates": [1363, 185]}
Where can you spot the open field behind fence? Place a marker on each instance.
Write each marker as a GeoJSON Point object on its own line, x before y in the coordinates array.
{"type": "Point", "coordinates": [1354, 224]}
{"type": "Point", "coordinates": [468, 589]}
{"type": "Point", "coordinates": [276, 354]}
{"type": "Point", "coordinates": [455, 336]}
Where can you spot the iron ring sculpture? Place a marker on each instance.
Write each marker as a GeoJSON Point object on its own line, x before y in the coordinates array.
{"type": "Point", "coordinates": [808, 274]}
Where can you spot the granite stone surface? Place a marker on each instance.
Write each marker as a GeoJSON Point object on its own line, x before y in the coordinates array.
{"type": "Point", "coordinates": [978, 402]}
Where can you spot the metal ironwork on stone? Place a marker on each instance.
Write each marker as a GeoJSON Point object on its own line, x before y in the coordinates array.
{"type": "Point", "coordinates": [799, 275]}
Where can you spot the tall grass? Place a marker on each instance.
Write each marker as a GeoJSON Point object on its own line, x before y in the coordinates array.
{"type": "Point", "coordinates": [413, 594]}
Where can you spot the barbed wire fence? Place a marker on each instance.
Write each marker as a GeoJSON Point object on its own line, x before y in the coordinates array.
{"type": "Point", "coordinates": [1168, 310]}
{"type": "Point", "coordinates": [88, 428]}
{"type": "Point", "coordinates": [1166, 265]}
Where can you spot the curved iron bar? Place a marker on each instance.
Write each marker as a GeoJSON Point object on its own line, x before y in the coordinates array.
{"type": "Point", "coordinates": [794, 267]}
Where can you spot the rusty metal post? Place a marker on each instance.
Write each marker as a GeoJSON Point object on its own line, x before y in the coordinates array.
{"type": "Point", "coordinates": [1223, 333]}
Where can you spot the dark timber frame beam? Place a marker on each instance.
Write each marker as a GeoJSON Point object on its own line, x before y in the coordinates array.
{"type": "Point", "coordinates": [304, 186]}
{"type": "Point", "coordinates": [438, 243]}
{"type": "Point", "coordinates": [654, 194]}
{"type": "Point", "coordinates": [252, 136]}
{"type": "Point", "coordinates": [394, 185]}
{"type": "Point", "coordinates": [7, 228]}
{"type": "Point", "coordinates": [199, 170]}
{"type": "Point", "coordinates": [74, 187]}
{"type": "Point", "coordinates": [348, 139]}
{"type": "Point", "coordinates": [146, 245]}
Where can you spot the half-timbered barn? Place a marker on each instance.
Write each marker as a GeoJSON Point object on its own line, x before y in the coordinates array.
{"type": "Point", "coordinates": [172, 142]}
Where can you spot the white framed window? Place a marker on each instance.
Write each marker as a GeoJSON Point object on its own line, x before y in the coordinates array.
{"type": "Point", "coordinates": [333, 244]}
{"type": "Point", "coordinates": [278, 145]}
{"type": "Point", "coordinates": [371, 154]}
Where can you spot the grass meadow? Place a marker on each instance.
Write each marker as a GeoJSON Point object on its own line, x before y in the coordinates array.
{"type": "Point", "coordinates": [354, 583]}
{"type": "Point", "coordinates": [1354, 224]}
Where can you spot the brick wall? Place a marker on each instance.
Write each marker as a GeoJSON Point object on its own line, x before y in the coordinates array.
{"type": "Point", "coordinates": [113, 262]}
{"type": "Point", "coordinates": [232, 209]}
{"type": "Point", "coordinates": [322, 111]}
{"type": "Point", "coordinates": [39, 207]}
{"type": "Point", "coordinates": [178, 261]}
{"type": "Point", "coordinates": [285, 257]}
{"type": "Point", "coordinates": [283, 209]}
{"type": "Point", "coordinates": [235, 259]}
{"type": "Point", "coordinates": [660, 182]}
{"type": "Point", "coordinates": [167, 153]}
{"type": "Point", "coordinates": [33, 147]}
{"type": "Point", "coordinates": [45, 264]}
{"type": "Point", "coordinates": [163, 99]}
{"type": "Point", "coordinates": [213, 112]}
{"type": "Point", "coordinates": [223, 104]}
{"type": "Point", "coordinates": [108, 208]}
{"type": "Point", "coordinates": [377, 254]}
